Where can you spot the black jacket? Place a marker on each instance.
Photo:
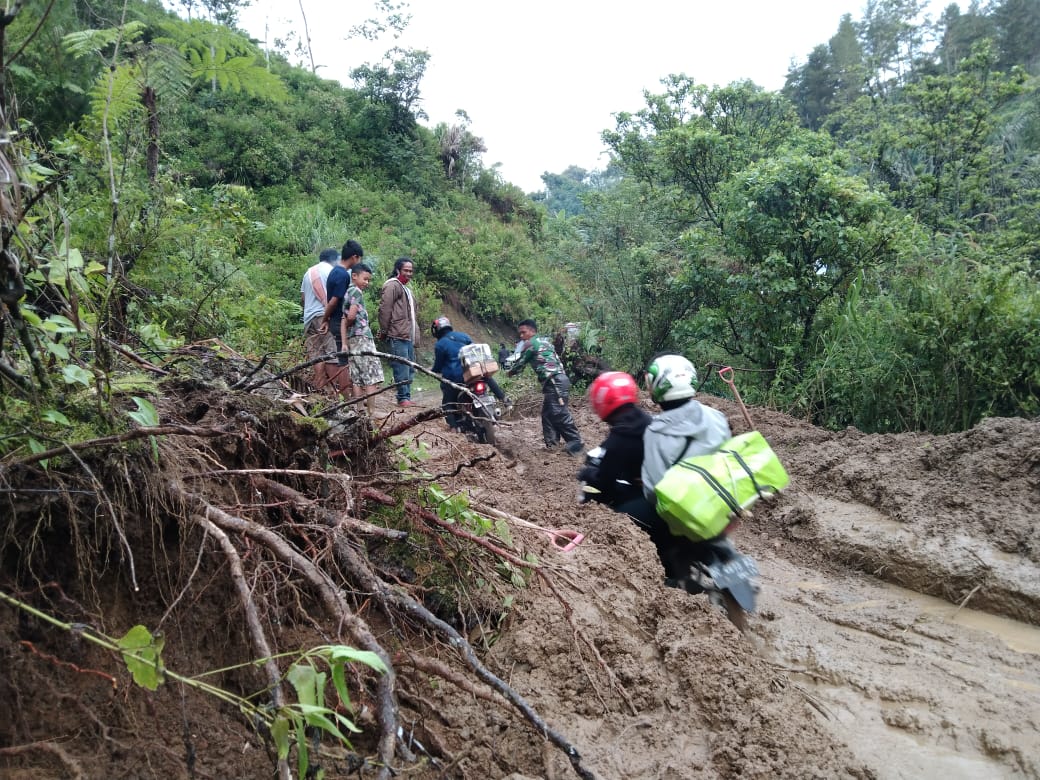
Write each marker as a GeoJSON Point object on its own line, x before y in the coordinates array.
{"type": "Point", "coordinates": [623, 460]}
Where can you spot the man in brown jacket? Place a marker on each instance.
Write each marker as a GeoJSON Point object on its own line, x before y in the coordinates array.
{"type": "Point", "coordinates": [399, 326]}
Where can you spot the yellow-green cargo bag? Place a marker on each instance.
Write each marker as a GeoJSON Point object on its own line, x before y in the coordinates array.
{"type": "Point", "coordinates": [697, 495]}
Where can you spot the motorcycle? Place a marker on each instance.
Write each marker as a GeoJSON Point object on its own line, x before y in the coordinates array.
{"type": "Point", "coordinates": [480, 411]}
{"type": "Point", "coordinates": [715, 566]}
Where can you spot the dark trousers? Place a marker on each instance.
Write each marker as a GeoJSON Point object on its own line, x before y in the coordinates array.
{"type": "Point", "coordinates": [676, 553]}
{"type": "Point", "coordinates": [452, 399]}
{"type": "Point", "coordinates": [557, 422]}
{"type": "Point", "coordinates": [402, 372]}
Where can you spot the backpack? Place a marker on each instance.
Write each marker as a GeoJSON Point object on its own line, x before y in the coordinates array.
{"type": "Point", "coordinates": [697, 496]}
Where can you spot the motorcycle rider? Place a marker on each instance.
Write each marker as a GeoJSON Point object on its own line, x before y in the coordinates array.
{"type": "Point", "coordinates": [613, 397]}
{"type": "Point", "coordinates": [446, 362]}
{"type": "Point", "coordinates": [684, 428]}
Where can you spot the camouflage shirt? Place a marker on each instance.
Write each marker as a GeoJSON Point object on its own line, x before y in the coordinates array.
{"type": "Point", "coordinates": [360, 326]}
{"type": "Point", "coordinates": [539, 353]}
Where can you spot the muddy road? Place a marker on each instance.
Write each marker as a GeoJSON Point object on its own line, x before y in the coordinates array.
{"type": "Point", "coordinates": [897, 636]}
{"type": "Point", "coordinates": [897, 633]}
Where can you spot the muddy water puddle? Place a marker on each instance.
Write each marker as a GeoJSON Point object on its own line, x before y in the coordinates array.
{"type": "Point", "coordinates": [916, 687]}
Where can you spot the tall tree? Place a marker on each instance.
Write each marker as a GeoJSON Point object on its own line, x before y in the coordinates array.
{"type": "Point", "coordinates": [1018, 33]}
{"type": "Point", "coordinates": [799, 230]}
{"type": "Point", "coordinates": [891, 41]}
{"type": "Point", "coordinates": [958, 32]}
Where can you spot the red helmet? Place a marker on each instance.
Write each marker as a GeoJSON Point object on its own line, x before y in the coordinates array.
{"type": "Point", "coordinates": [611, 390]}
{"type": "Point", "coordinates": [439, 324]}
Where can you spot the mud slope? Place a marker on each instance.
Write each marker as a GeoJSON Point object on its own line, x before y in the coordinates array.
{"type": "Point", "coordinates": [841, 674]}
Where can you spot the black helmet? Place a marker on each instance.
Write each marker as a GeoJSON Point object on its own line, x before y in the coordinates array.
{"type": "Point", "coordinates": [439, 324]}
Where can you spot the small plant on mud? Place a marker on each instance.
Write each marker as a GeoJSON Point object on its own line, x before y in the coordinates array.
{"type": "Point", "coordinates": [288, 723]}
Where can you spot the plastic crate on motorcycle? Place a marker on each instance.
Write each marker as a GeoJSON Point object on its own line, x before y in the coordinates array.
{"type": "Point", "coordinates": [477, 361]}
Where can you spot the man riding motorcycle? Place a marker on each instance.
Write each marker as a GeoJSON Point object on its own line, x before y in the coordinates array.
{"type": "Point", "coordinates": [448, 365]}
{"type": "Point", "coordinates": [617, 477]}
{"type": "Point", "coordinates": [639, 450]}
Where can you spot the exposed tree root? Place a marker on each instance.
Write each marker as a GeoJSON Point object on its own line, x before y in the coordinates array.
{"type": "Point", "coordinates": [47, 747]}
{"type": "Point", "coordinates": [256, 631]}
{"type": "Point", "coordinates": [287, 528]}
{"type": "Point", "coordinates": [331, 597]}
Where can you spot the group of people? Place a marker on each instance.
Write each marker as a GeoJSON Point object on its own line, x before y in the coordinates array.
{"type": "Point", "coordinates": [639, 449]}
{"type": "Point", "coordinates": [336, 325]}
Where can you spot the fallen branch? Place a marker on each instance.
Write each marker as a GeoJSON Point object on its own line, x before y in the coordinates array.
{"type": "Point", "coordinates": [466, 464]}
{"type": "Point", "coordinates": [358, 399]}
{"type": "Point", "coordinates": [453, 528]}
{"type": "Point", "coordinates": [345, 353]}
{"type": "Point", "coordinates": [127, 353]}
{"type": "Point", "coordinates": [329, 518]}
{"type": "Point", "coordinates": [423, 416]}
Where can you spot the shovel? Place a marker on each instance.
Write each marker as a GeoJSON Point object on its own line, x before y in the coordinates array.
{"type": "Point", "coordinates": [726, 375]}
{"type": "Point", "coordinates": [563, 540]}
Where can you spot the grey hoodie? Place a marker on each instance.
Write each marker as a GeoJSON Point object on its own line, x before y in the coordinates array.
{"type": "Point", "coordinates": [687, 430]}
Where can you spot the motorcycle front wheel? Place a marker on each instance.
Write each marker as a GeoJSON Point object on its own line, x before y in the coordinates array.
{"type": "Point", "coordinates": [485, 425]}
{"type": "Point", "coordinates": [736, 613]}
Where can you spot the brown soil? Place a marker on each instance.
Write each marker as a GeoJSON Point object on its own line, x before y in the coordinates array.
{"type": "Point", "coordinates": [896, 632]}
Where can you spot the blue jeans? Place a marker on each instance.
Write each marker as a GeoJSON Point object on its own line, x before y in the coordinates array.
{"type": "Point", "coordinates": [402, 373]}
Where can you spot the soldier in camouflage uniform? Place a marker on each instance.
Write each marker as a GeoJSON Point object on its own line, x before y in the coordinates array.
{"type": "Point", "coordinates": [557, 422]}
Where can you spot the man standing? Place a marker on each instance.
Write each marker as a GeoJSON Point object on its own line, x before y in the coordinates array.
{"type": "Point", "coordinates": [397, 324]}
{"type": "Point", "coordinates": [336, 287]}
{"type": "Point", "coordinates": [556, 387]}
{"type": "Point", "coordinates": [318, 341]}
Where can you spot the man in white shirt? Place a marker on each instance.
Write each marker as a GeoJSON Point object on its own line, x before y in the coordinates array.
{"type": "Point", "coordinates": [318, 339]}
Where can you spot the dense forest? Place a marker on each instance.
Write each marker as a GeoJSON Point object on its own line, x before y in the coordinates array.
{"type": "Point", "coordinates": [863, 245]}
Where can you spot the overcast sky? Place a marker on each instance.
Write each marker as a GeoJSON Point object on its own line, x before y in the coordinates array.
{"type": "Point", "coordinates": [541, 79]}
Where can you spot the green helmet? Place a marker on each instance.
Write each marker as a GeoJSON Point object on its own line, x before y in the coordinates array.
{"type": "Point", "coordinates": [671, 378]}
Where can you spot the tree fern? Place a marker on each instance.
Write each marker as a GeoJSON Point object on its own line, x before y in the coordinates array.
{"type": "Point", "coordinates": [84, 42]}
{"type": "Point", "coordinates": [124, 102]}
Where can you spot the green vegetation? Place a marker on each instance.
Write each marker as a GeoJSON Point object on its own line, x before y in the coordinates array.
{"type": "Point", "coordinates": [288, 723]}
{"type": "Point", "coordinates": [864, 244]}
{"type": "Point", "coordinates": [866, 241]}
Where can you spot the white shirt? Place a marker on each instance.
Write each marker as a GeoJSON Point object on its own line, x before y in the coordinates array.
{"type": "Point", "coordinates": [312, 305]}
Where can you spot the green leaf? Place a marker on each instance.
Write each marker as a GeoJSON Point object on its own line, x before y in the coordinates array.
{"type": "Point", "coordinates": [57, 349]}
{"type": "Point", "coordinates": [280, 735]}
{"type": "Point", "coordinates": [141, 653]}
{"type": "Point", "coordinates": [74, 374]}
{"type": "Point", "coordinates": [145, 416]}
{"type": "Point", "coordinates": [304, 679]}
{"type": "Point", "coordinates": [59, 324]}
{"type": "Point", "coordinates": [318, 716]}
{"type": "Point", "coordinates": [54, 416]}
{"type": "Point", "coordinates": [342, 653]}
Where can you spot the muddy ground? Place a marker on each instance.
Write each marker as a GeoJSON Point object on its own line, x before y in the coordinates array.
{"type": "Point", "coordinates": [848, 668]}
{"type": "Point", "coordinates": [897, 633]}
